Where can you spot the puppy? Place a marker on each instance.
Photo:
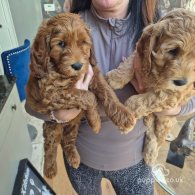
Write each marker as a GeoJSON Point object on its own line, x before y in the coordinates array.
{"type": "Point", "coordinates": [60, 55]}
{"type": "Point", "coordinates": [167, 53]}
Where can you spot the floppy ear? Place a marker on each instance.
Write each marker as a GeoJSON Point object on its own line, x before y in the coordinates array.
{"type": "Point", "coordinates": [145, 45]}
{"type": "Point", "coordinates": [40, 52]}
{"type": "Point", "coordinates": [92, 59]}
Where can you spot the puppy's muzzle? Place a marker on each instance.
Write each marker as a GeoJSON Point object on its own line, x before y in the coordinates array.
{"type": "Point", "coordinates": [77, 66]}
{"type": "Point", "coordinates": [180, 82]}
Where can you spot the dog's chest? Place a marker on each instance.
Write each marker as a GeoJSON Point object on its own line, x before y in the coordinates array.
{"type": "Point", "coordinates": [54, 83]}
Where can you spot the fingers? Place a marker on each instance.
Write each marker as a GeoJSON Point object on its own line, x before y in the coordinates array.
{"type": "Point", "coordinates": [80, 82]}
{"type": "Point", "coordinates": [88, 76]}
{"type": "Point", "coordinates": [83, 82]}
{"type": "Point", "coordinates": [169, 112]}
{"type": "Point", "coordinates": [124, 59]}
{"type": "Point", "coordinates": [66, 115]}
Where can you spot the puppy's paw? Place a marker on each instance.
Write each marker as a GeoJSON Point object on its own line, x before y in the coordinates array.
{"type": "Point", "coordinates": [124, 120]}
{"type": "Point", "coordinates": [113, 81]}
{"type": "Point", "coordinates": [97, 127]}
{"type": "Point", "coordinates": [95, 123]}
{"type": "Point", "coordinates": [50, 170]}
{"type": "Point", "coordinates": [73, 159]}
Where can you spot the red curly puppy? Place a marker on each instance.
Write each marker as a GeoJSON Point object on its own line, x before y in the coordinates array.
{"type": "Point", "coordinates": [61, 53]}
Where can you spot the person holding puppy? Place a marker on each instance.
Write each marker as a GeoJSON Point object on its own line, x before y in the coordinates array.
{"type": "Point", "coordinates": [115, 28]}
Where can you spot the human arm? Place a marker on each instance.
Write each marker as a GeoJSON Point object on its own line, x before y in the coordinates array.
{"type": "Point", "coordinates": [183, 110]}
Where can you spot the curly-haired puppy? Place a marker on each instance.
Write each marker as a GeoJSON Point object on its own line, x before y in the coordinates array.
{"type": "Point", "coordinates": [61, 53]}
{"type": "Point", "coordinates": [167, 53]}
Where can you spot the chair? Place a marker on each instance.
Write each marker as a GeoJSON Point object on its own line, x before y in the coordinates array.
{"type": "Point", "coordinates": [16, 63]}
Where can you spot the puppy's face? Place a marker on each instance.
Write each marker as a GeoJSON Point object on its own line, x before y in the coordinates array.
{"type": "Point", "coordinates": [63, 44]}
{"type": "Point", "coordinates": [170, 56]}
{"type": "Point", "coordinates": [70, 46]}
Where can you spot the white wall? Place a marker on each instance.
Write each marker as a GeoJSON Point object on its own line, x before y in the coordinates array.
{"type": "Point", "coordinates": [27, 16]}
{"type": "Point", "coordinates": [8, 38]}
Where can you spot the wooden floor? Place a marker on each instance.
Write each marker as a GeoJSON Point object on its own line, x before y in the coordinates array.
{"type": "Point", "coordinates": [182, 181]}
{"type": "Point", "coordinates": [62, 185]}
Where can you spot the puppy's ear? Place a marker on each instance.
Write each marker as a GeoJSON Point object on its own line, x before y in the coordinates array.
{"type": "Point", "coordinates": [40, 52]}
{"type": "Point", "coordinates": [92, 59]}
{"type": "Point", "coordinates": [145, 45]}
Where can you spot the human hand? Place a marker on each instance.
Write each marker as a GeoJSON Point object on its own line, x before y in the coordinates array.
{"type": "Point", "coordinates": [66, 115]}
{"type": "Point", "coordinates": [169, 112]}
{"type": "Point", "coordinates": [83, 84]}
{"type": "Point", "coordinates": [137, 80]}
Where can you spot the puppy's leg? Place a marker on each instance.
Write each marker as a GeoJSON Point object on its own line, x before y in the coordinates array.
{"type": "Point", "coordinates": [84, 100]}
{"type": "Point", "coordinates": [52, 133]}
{"type": "Point", "coordinates": [93, 118]}
{"type": "Point", "coordinates": [118, 78]}
{"type": "Point", "coordinates": [69, 144]}
{"type": "Point", "coordinates": [149, 102]}
{"type": "Point", "coordinates": [157, 135]}
{"type": "Point", "coordinates": [150, 142]}
{"type": "Point", "coordinates": [163, 126]}
{"type": "Point", "coordinates": [115, 110]}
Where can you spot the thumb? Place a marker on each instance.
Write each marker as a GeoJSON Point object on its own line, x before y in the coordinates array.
{"type": "Point", "coordinates": [88, 76]}
{"type": "Point", "coordinates": [80, 82]}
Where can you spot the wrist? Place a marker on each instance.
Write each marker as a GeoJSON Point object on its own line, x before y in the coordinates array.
{"type": "Point", "coordinates": [56, 120]}
{"type": "Point", "coordinates": [170, 112]}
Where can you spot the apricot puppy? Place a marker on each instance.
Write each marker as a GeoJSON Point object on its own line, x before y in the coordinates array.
{"type": "Point", "coordinates": [167, 53]}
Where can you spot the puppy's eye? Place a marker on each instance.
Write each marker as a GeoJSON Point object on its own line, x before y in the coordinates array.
{"type": "Point", "coordinates": [84, 42]}
{"type": "Point", "coordinates": [174, 52]}
{"type": "Point", "coordinates": [62, 44]}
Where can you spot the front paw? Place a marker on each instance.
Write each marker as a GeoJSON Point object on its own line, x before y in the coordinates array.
{"type": "Point", "coordinates": [113, 81]}
{"type": "Point", "coordinates": [136, 107]}
{"type": "Point", "coordinates": [73, 158]}
{"type": "Point", "coordinates": [95, 122]}
{"type": "Point", "coordinates": [124, 120]}
{"type": "Point", "coordinates": [96, 128]}
{"type": "Point", "coordinates": [50, 169]}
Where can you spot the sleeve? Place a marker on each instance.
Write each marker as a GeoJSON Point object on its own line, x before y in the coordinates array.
{"type": "Point", "coordinates": [36, 114]}
{"type": "Point", "coordinates": [188, 108]}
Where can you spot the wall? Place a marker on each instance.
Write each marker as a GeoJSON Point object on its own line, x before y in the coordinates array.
{"type": "Point", "coordinates": [27, 16]}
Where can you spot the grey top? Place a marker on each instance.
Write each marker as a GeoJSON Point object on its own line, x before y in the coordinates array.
{"type": "Point", "coordinates": [110, 150]}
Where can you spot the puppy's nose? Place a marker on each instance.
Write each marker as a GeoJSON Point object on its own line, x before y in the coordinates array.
{"type": "Point", "coordinates": [77, 66]}
{"type": "Point", "coordinates": [180, 82]}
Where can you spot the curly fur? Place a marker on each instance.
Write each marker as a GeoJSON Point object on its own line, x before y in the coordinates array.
{"type": "Point", "coordinates": [60, 43]}
{"type": "Point", "coordinates": [167, 53]}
